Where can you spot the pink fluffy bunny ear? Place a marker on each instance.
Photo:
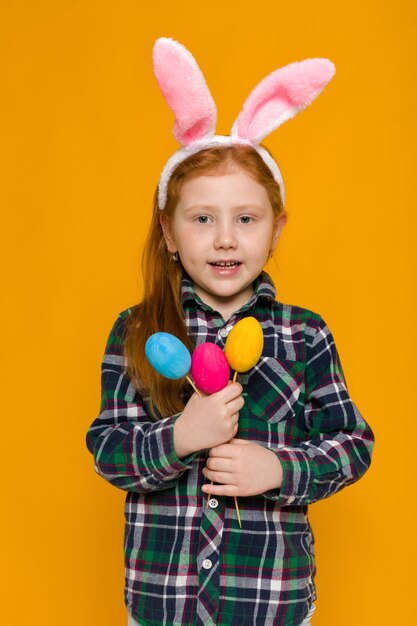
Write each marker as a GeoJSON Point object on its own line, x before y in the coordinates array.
{"type": "Point", "coordinates": [280, 96]}
{"type": "Point", "coordinates": [185, 90]}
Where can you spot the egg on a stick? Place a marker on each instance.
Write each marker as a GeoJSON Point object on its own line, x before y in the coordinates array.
{"type": "Point", "coordinates": [169, 357]}
{"type": "Point", "coordinates": [244, 345]}
{"type": "Point", "coordinates": [209, 368]}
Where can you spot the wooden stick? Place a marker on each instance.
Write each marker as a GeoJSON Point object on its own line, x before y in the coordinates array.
{"type": "Point", "coordinates": [193, 386]}
{"type": "Point", "coordinates": [238, 512]}
{"type": "Point", "coordinates": [235, 376]}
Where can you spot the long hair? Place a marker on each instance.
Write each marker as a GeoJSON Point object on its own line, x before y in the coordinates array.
{"type": "Point", "coordinates": [161, 309]}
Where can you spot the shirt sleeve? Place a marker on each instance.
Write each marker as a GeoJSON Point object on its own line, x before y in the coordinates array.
{"type": "Point", "coordinates": [340, 442]}
{"type": "Point", "coordinates": [131, 451]}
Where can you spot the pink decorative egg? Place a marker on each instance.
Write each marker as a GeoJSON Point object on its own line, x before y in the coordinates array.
{"type": "Point", "coordinates": [209, 368]}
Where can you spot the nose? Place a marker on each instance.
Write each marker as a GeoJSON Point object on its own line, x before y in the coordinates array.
{"type": "Point", "coordinates": [225, 236]}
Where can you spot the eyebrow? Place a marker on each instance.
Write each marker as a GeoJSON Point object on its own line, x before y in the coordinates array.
{"type": "Point", "coordinates": [209, 206]}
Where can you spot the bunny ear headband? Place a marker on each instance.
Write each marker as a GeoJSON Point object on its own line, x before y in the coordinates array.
{"type": "Point", "coordinates": [277, 98]}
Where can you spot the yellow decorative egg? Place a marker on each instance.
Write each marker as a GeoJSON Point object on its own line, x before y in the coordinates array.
{"type": "Point", "coordinates": [244, 344]}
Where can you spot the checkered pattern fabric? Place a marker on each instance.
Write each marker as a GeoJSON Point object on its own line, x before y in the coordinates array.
{"type": "Point", "coordinates": [188, 564]}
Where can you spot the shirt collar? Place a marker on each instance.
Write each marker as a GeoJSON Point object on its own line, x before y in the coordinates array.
{"type": "Point", "coordinates": [263, 288]}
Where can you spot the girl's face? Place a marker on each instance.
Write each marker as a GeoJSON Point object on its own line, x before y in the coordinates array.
{"type": "Point", "coordinates": [223, 229]}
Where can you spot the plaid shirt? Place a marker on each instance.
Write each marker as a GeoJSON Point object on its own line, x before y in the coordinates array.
{"type": "Point", "coordinates": [188, 564]}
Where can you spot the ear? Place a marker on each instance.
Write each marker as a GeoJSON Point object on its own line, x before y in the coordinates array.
{"type": "Point", "coordinates": [280, 96]}
{"type": "Point", "coordinates": [278, 226]}
{"type": "Point", "coordinates": [168, 233]}
{"type": "Point", "coordinates": [185, 90]}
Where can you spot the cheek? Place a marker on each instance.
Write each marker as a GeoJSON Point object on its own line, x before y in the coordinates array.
{"type": "Point", "coordinates": [192, 239]}
{"type": "Point", "coordinates": [257, 242]}
{"type": "Point", "coordinates": [191, 246]}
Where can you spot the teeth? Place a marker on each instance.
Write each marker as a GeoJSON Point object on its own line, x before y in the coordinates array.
{"type": "Point", "coordinates": [229, 264]}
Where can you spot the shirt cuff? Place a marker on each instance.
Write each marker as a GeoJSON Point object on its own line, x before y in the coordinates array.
{"type": "Point", "coordinates": [297, 486]}
{"type": "Point", "coordinates": [186, 461]}
{"type": "Point", "coordinates": [169, 462]}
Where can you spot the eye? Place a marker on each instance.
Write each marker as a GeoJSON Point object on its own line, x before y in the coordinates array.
{"type": "Point", "coordinates": [246, 219]}
{"type": "Point", "coordinates": [203, 219]}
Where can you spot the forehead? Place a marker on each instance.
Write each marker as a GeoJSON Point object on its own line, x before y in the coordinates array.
{"type": "Point", "coordinates": [234, 186]}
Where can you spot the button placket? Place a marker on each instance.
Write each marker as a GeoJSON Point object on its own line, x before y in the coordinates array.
{"type": "Point", "coordinates": [211, 532]}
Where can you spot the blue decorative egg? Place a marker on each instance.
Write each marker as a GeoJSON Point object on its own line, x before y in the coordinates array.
{"type": "Point", "coordinates": [168, 355]}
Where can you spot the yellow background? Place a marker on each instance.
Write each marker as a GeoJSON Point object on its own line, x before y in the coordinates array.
{"type": "Point", "coordinates": [85, 133]}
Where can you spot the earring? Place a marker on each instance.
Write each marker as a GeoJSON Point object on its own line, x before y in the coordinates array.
{"type": "Point", "coordinates": [269, 256]}
{"type": "Point", "coordinates": [174, 257]}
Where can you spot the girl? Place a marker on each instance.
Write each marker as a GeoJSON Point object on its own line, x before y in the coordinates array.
{"type": "Point", "coordinates": [286, 435]}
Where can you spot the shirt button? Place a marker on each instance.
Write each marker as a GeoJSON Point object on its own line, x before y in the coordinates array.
{"type": "Point", "coordinates": [213, 503]}
{"type": "Point", "coordinates": [224, 332]}
{"type": "Point", "coordinates": [207, 563]}
{"type": "Point", "coordinates": [291, 499]}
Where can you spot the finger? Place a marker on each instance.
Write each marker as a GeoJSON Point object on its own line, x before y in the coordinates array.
{"type": "Point", "coordinates": [224, 478]}
{"type": "Point", "coordinates": [219, 464]}
{"type": "Point", "coordinates": [221, 490]}
{"type": "Point", "coordinates": [223, 450]}
{"type": "Point", "coordinates": [239, 441]}
{"type": "Point", "coordinates": [230, 392]}
{"type": "Point", "coordinates": [236, 404]}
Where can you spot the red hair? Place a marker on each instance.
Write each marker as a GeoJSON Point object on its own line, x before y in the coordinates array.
{"type": "Point", "coordinates": [160, 308]}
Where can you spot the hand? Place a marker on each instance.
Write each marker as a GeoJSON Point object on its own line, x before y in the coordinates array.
{"type": "Point", "coordinates": [243, 468]}
{"type": "Point", "coordinates": [208, 421]}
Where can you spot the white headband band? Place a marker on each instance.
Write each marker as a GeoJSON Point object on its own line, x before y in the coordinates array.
{"type": "Point", "coordinates": [217, 140]}
{"type": "Point", "coordinates": [277, 98]}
